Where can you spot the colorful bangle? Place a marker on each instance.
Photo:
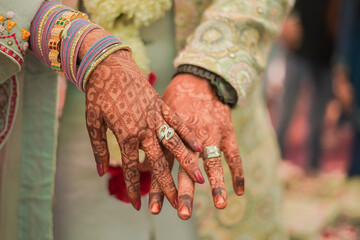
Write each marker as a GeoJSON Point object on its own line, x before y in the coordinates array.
{"type": "Point", "coordinates": [62, 30]}
{"type": "Point", "coordinates": [42, 24]}
{"type": "Point", "coordinates": [101, 57]}
{"type": "Point", "coordinates": [38, 23]}
{"type": "Point", "coordinates": [47, 31]}
{"type": "Point", "coordinates": [94, 50]}
{"type": "Point", "coordinates": [76, 47]}
{"type": "Point", "coordinates": [56, 36]}
{"type": "Point", "coordinates": [67, 43]}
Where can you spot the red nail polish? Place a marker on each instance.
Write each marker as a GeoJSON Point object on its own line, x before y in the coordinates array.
{"type": "Point", "coordinates": [198, 147]}
{"type": "Point", "coordinates": [199, 177]}
{"type": "Point", "coordinates": [137, 205]}
{"type": "Point", "coordinates": [100, 169]}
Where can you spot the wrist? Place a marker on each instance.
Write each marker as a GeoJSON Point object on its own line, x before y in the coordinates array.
{"type": "Point", "coordinates": [112, 62]}
{"type": "Point", "coordinates": [223, 90]}
{"type": "Point", "coordinates": [194, 84]}
{"type": "Point", "coordinates": [90, 39]}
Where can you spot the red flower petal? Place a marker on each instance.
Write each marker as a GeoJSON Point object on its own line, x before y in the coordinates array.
{"type": "Point", "coordinates": [152, 78]}
{"type": "Point", "coordinates": [117, 187]}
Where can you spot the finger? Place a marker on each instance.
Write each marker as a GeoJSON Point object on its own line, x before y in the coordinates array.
{"type": "Point", "coordinates": [159, 166]}
{"type": "Point", "coordinates": [185, 134]}
{"type": "Point", "coordinates": [130, 158]}
{"type": "Point", "coordinates": [215, 173]}
{"type": "Point", "coordinates": [233, 159]}
{"type": "Point", "coordinates": [186, 194]}
{"type": "Point", "coordinates": [97, 133]}
{"type": "Point", "coordinates": [156, 197]}
{"type": "Point", "coordinates": [169, 157]}
{"type": "Point", "coordinates": [144, 166]}
{"type": "Point", "coordinates": [173, 143]}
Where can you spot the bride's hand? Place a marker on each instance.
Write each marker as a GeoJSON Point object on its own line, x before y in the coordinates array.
{"type": "Point", "coordinates": [119, 97]}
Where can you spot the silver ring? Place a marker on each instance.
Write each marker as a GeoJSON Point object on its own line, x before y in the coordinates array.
{"type": "Point", "coordinates": [211, 152]}
{"type": "Point", "coordinates": [166, 132]}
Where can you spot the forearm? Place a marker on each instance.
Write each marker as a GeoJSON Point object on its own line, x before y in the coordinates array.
{"type": "Point", "coordinates": [68, 42]}
{"type": "Point", "coordinates": [233, 41]}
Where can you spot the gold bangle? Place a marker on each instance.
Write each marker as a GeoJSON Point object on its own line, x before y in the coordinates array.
{"type": "Point", "coordinates": [41, 25]}
{"type": "Point", "coordinates": [54, 57]}
{"type": "Point", "coordinates": [55, 37]}
{"type": "Point", "coordinates": [54, 44]}
{"type": "Point", "coordinates": [99, 59]}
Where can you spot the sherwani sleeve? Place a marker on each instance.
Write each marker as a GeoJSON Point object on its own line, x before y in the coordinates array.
{"type": "Point", "coordinates": [15, 21]}
{"type": "Point", "coordinates": [233, 41]}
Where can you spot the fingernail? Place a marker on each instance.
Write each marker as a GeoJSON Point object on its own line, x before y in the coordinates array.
{"type": "Point", "coordinates": [198, 147]}
{"type": "Point", "coordinates": [184, 211]}
{"type": "Point", "coordinates": [137, 205]}
{"type": "Point", "coordinates": [240, 186]}
{"type": "Point", "coordinates": [220, 201]}
{"type": "Point", "coordinates": [100, 169]}
{"type": "Point", "coordinates": [199, 177]}
{"type": "Point", "coordinates": [155, 208]}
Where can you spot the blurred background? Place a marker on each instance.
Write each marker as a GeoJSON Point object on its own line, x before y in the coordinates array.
{"type": "Point", "coordinates": [312, 88]}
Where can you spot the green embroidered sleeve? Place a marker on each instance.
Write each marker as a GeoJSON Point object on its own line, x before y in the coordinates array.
{"type": "Point", "coordinates": [15, 20]}
{"type": "Point", "coordinates": [233, 40]}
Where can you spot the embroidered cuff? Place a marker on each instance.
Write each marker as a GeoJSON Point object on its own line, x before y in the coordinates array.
{"type": "Point", "coordinates": [13, 43]}
{"type": "Point", "coordinates": [224, 91]}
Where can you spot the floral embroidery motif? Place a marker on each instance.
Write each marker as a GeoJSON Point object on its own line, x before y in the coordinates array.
{"type": "Point", "coordinates": [8, 104]}
{"type": "Point", "coordinates": [25, 46]}
{"type": "Point", "coordinates": [213, 36]}
{"type": "Point", "coordinates": [7, 22]}
{"type": "Point", "coordinates": [230, 41]}
{"type": "Point", "coordinates": [10, 25]}
{"type": "Point", "coordinates": [10, 52]}
{"type": "Point", "coordinates": [25, 33]}
{"type": "Point", "coordinates": [10, 15]}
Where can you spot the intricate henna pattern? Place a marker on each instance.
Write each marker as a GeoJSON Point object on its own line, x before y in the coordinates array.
{"type": "Point", "coordinates": [120, 98]}
{"type": "Point", "coordinates": [195, 101]}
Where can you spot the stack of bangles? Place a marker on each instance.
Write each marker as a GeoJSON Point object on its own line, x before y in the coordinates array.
{"type": "Point", "coordinates": [56, 36]}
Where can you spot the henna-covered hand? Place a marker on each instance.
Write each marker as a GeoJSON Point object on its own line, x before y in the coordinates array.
{"type": "Point", "coordinates": [120, 98]}
{"type": "Point", "coordinates": [194, 100]}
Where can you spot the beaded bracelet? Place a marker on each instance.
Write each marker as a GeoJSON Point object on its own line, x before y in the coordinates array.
{"type": "Point", "coordinates": [91, 54]}
{"type": "Point", "coordinates": [224, 91]}
{"type": "Point", "coordinates": [99, 58]}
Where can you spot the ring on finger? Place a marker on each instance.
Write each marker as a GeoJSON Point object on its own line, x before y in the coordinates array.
{"type": "Point", "coordinates": [211, 152]}
{"type": "Point", "coordinates": [166, 132]}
